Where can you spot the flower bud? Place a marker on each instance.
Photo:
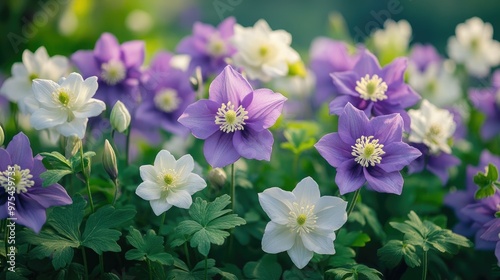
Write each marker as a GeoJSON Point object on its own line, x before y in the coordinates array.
{"type": "Point", "coordinates": [2, 136]}
{"type": "Point", "coordinates": [217, 177]}
{"type": "Point", "coordinates": [109, 161]}
{"type": "Point", "coordinates": [73, 144]}
{"type": "Point", "coordinates": [120, 117]}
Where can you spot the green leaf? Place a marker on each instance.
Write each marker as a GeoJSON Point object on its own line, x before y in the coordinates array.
{"type": "Point", "coordinates": [353, 238]}
{"type": "Point", "coordinates": [76, 160]}
{"type": "Point", "coordinates": [371, 219]}
{"type": "Point", "coordinates": [209, 223]}
{"type": "Point", "coordinates": [343, 256]}
{"type": "Point", "coordinates": [300, 136]}
{"type": "Point", "coordinates": [51, 177]}
{"type": "Point", "coordinates": [99, 235]}
{"type": "Point", "coordinates": [357, 271]}
{"type": "Point", "coordinates": [481, 180]}
{"type": "Point", "coordinates": [149, 246]}
{"type": "Point", "coordinates": [484, 192]}
{"type": "Point", "coordinates": [55, 160]}
{"type": "Point", "coordinates": [492, 173]}
{"type": "Point", "coordinates": [393, 252]}
{"type": "Point", "coordinates": [267, 268]}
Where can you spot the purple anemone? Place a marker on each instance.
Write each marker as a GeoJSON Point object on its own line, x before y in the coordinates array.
{"type": "Point", "coordinates": [438, 164]}
{"type": "Point", "coordinates": [487, 100]}
{"type": "Point", "coordinates": [234, 121]}
{"type": "Point", "coordinates": [22, 186]}
{"type": "Point", "coordinates": [424, 55]}
{"type": "Point", "coordinates": [376, 91]}
{"type": "Point", "coordinates": [367, 151]}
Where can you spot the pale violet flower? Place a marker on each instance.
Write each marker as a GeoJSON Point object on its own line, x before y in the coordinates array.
{"type": "Point", "coordinates": [395, 37]}
{"type": "Point", "coordinates": [432, 126]}
{"type": "Point", "coordinates": [302, 222]}
{"type": "Point", "coordinates": [473, 45]}
{"type": "Point", "coordinates": [35, 65]}
{"type": "Point", "coordinates": [65, 106]}
{"type": "Point", "coordinates": [169, 182]}
{"type": "Point", "coordinates": [436, 84]}
{"type": "Point", "coordinates": [263, 54]}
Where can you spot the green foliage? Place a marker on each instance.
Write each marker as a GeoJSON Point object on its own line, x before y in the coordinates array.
{"type": "Point", "coordinates": [62, 233]}
{"type": "Point", "coordinates": [487, 182]}
{"type": "Point", "coordinates": [209, 224]}
{"type": "Point", "coordinates": [202, 270]}
{"type": "Point", "coordinates": [300, 136]}
{"type": "Point", "coordinates": [58, 166]}
{"type": "Point", "coordinates": [356, 271]}
{"type": "Point", "coordinates": [149, 246]}
{"type": "Point", "coordinates": [267, 268]}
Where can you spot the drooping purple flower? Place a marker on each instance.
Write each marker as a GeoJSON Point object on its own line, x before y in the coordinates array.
{"type": "Point", "coordinates": [438, 164]}
{"type": "Point", "coordinates": [167, 93]}
{"type": "Point", "coordinates": [376, 91]}
{"type": "Point", "coordinates": [234, 121]}
{"type": "Point", "coordinates": [208, 47]}
{"type": "Point", "coordinates": [457, 200]}
{"type": "Point", "coordinates": [481, 213]}
{"type": "Point", "coordinates": [118, 68]}
{"type": "Point", "coordinates": [20, 178]}
{"type": "Point", "coordinates": [487, 100]}
{"type": "Point", "coordinates": [367, 151]}
{"type": "Point", "coordinates": [328, 56]}
{"type": "Point", "coordinates": [424, 55]}
{"type": "Point", "coordinates": [492, 234]}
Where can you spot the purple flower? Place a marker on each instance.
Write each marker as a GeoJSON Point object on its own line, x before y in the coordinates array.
{"type": "Point", "coordinates": [438, 164]}
{"type": "Point", "coordinates": [374, 90]}
{"type": "Point", "coordinates": [167, 93]}
{"type": "Point", "coordinates": [234, 121]}
{"type": "Point", "coordinates": [424, 55]}
{"type": "Point", "coordinates": [492, 234]}
{"type": "Point", "coordinates": [208, 47]}
{"type": "Point", "coordinates": [367, 151]}
{"type": "Point", "coordinates": [482, 213]}
{"type": "Point", "coordinates": [459, 199]}
{"type": "Point", "coordinates": [118, 68]}
{"type": "Point", "coordinates": [329, 56]}
{"type": "Point", "coordinates": [20, 172]}
{"type": "Point", "coordinates": [487, 100]}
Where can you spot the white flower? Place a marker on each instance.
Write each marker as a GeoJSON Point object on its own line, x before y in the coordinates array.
{"type": "Point", "coordinates": [120, 117]}
{"type": "Point", "coordinates": [435, 84]}
{"type": "Point", "coordinates": [67, 105]}
{"type": "Point", "coordinates": [474, 46]}
{"type": "Point", "coordinates": [169, 182]}
{"type": "Point", "coordinates": [35, 65]}
{"type": "Point", "coordinates": [395, 36]}
{"type": "Point", "coordinates": [262, 53]}
{"type": "Point", "coordinates": [432, 126]}
{"type": "Point", "coordinates": [302, 222]}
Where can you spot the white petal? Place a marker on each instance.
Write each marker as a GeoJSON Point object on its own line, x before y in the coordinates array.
{"type": "Point", "coordinates": [20, 71]}
{"type": "Point", "coordinates": [299, 254]}
{"type": "Point", "coordinates": [277, 204]}
{"type": "Point", "coordinates": [184, 165]}
{"type": "Point", "coordinates": [159, 206]}
{"type": "Point", "coordinates": [43, 118]}
{"type": "Point", "coordinates": [28, 105]}
{"type": "Point", "coordinates": [93, 108]}
{"type": "Point", "coordinates": [277, 238]}
{"type": "Point", "coordinates": [148, 191]}
{"type": "Point", "coordinates": [43, 90]}
{"type": "Point", "coordinates": [55, 68]}
{"type": "Point", "coordinates": [73, 83]}
{"type": "Point", "coordinates": [318, 243]}
{"type": "Point", "coordinates": [193, 183]}
{"type": "Point", "coordinates": [76, 127]}
{"type": "Point", "coordinates": [165, 160]}
{"type": "Point", "coordinates": [307, 191]}
{"type": "Point", "coordinates": [30, 62]}
{"type": "Point", "coordinates": [87, 90]}
{"type": "Point", "coordinates": [330, 212]}
{"type": "Point", "coordinates": [148, 173]}
{"type": "Point", "coordinates": [15, 89]}
{"type": "Point", "coordinates": [181, 199]}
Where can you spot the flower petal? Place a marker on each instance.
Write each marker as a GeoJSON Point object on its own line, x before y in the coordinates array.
{"type": "Point", "coordinates": [229, 85]}
{"type": "Point", "coordinates": [30, 213]}
{"type": "Point", "coordinates": [133, 53]}
{"type": "Point", "coordinates": [330, 212]}
{"type": "Point", "coordinates": [184, 166]}
{"type": "Point", "coordinates": [43, 118]}
{"type": "Point", "coordinates": [86, 63]}
{"type": "Point", "coordinates": [54, 195]}
{"type": "Point", "coordinates": [398, 155]}
{"type": "Point", "coordinates": [277, 204]}
{"type": "Point", "coordinates": [148, 190]}
{"type": "Point", "coordinates": [219, 150]}
{"type": "Point", "coordinates": [194, 183]}
{"type": "Point", "coordinates": [381, 181]}
{"type": "Point", "coordinates": [254, 145]}
{"type": "Point", "coordinates": [159, 206]}
{"type": "Point", "coordinates": [93, 108]}
{"type": "Point", "coordinates": [307, 191]}
{"type": "Point", "coordinates": [107, 48]}
{"type": "Point", "coordinates": [164, 160]}
{"type": "Point", "coordinates": [345, 83]}
{"type": "Point", "coordinates": [393, 73]}
{"type": "Point", "coordinates": [318, 243]}
{"type": "Point", "coordinates": [148, 173]}
{"type": "Point", "coordinates": [5, 160]}
{"type": "Point", "coordinates": [76, 127]}
{"type": "Point", "coordinates": [349, 177]}
{"type": "Point", "coordinates": [333, 149]}
{"type": "Point", "coordinates": [387, 128]}
{"type": "Point", "coordinates": [20, 151]}
{"type": "Point", "coordinates": [181, 199]}
{"type": "Point", "coordinates": [299, 254]}
{"type": "Point", "coordinates": [352, 124]}
{"type": "Point", "coordinates": [43, 89]}
{"type": "Point", "coordinates": [277, 238]}
{"type": "Point", "coordinates": [367, 64]}
{"type": "Point", "coordinates": [264, 109]}
{"type": "Point", "coordinates": [199, 117]}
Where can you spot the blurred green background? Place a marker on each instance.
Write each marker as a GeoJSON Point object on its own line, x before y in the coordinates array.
{"type": "Point", "coordinates": [64, 26]}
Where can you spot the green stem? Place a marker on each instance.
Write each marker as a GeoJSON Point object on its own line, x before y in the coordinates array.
{"type": "Point", "coordinates": [115, 182]}
{"type": "Point", "coordinates": [150, 272]}
{"type": "Point", "coordinates": [85, 266]}
{"type": "Point", "coordinates": [87, 183]}
{"type": "Point", "coordinates": [233, 188]}
{"type": "Point", "coordinates": [162, 221]}
{"type": "Point", "coordinates": [101, 264]}
{"type": "Point", "coordinates": [127, 146]}
{"type": "Point", "coordinates": [186, 252]}
{"type": "Point", "coordinates": [353, 202]}
{"type": "Point", "coordinates": [296, 163]}
{"type": "Point", "coordinates": [424, 266]}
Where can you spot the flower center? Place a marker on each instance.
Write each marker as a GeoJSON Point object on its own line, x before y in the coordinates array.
{"type": "Point", "coordinates": [263, 51]}
{"type": "Point", "coordinates": [216, 46]}
{"type": "Point", "coordinates": [167, 100]}
{"type": "Point", "coordinates": [113, 72]}
{"type": "Point", "coordinates": [301, 219]}
{"type": "Point", "coordinates": [33, 76]}
{"type": "Point", "coordinates": [367, 151]}
{"type": "Point", "coordinates": [62, 97]}
{"type": "Point", "coordinates": [170, 180]}
{"type": "Point", "coordinates": [434, 133]}
{"type": "Point", "coordinates": [229, 119]}
{"type": "Point", "coordinates": [431, 86]}
{"type": "Point", "coordinates": [373, 88]}
{"type": "Point", "coordinates": [15, 177]}
{"type": "Point", "coordinates": [474, 44]}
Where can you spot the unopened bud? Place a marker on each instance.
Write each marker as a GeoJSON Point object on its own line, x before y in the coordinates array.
{"type": "Point", "coordinates": [217, 177]}
{"type": "Point", "coordinates": [73, 144]}
{"type": "Point", "coordinates": [120, 117]}
{"type": "Point", "coordinates": [2, 136]}
{"type": "Point", "coordinates": [109, 161]}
